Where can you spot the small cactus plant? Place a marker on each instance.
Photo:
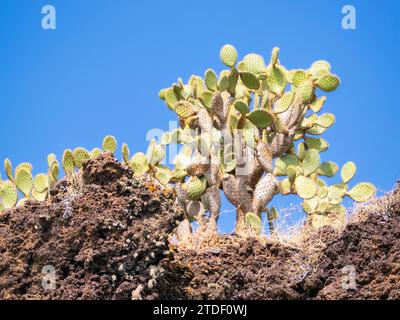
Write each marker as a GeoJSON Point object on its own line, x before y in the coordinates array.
{"type": "Point", "coordinates": [22, 182]}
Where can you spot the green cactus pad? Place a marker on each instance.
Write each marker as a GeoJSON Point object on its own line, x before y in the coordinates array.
{"type": "Point", "coordinates": [228, 55]}
{"type": "Point", "coordinates": [328, 169]}
{"type": "Point", "coordinates": [170, 98]}
{"type": "Point", "coordinates": [311, 162]}
{"type": "Point", "coordinates": [284, 186]}
{"type": "Point", "coordinates": [41, 183]}
{"type": "Point", "coordinates": [348, 171]}
{"type": "Point", "coordinates": [276, 80]}
{"type": "Point", "coordinates": [326, 120]}
{"type": "Point", "coordinates": [163, 175]}
{"type": "Point", "coordinates": [139, 164]}
{"type": "Point", "coordinates": [305, 187]}
{"type": "Point", "coordinates": [39, 196]}
{"type": "Point", "coordinates": [274, 56]}
{"type": "Point", "coordinates": [24, 181]}
{"type": "Point", "coordinates": [298, 77]}
{"type": "Point", "coordinates": [26, 165]}
{"type": "Point", "coordinates": [318, 144]}
{"type": "Point", "coordinates": [319, 65]}
{"type": "Point", "coordinates": [317, 105]}
{"type": "Point", "coordinates": [284, 102]}
{"type": "Point", "coordinates": [8, 195]}
{"type": "Point", "coordinates": [161, 94]}
{"type": "Point", "coordinates": [323, 206]}
{"type": "Point", "coordinates": [254, 222]}
{"type": "Point", "coordinates": [8, 169]}
{"type": "Point", "coordinates": [241, 107]}
{"type": "Point", "coordinates": [242, 66]}
{"type": "Point", "coordinates": [110, 144]}
{"type": "Point", "coordinates": [211, 80]}
{"type": "Point", "coordinates": [301, 151]}
{"type": "Point", "coordinates": [54, 172]}
{"type": "Point", "coordinates": [338, 210]}
{"type": "Point", "coordinates": [195, 188]}
{"type": "Point", "coordinates": [125, 153]}
{"type": "Point", "coordinates": [155, 153]}
{"type": "Point", "coordinates": [206, 98]}
{"type": "Point", "coordinates": [260, 118]}
{"type": "Point", "coordinates": [310, 205]}
{"type": "Point", "coordinates": [95, 153]}
{"type": "Point", "coordinates": [291, 173]}
{"type": "Point", "coordinates": [184, 109]}
{"type": "Point", "coordinates": [68, 162]}
{"type": "Point", "coordinates": [250, 80]}
{"type": "Point", "coordinates": [362, 192]}
{"type": "Point", "coordinates": [51, 158]}
{"type": "Point", "coordinates": [178, 174]}
{"type": "Point", "coordinates": [305, 90]}
{"type": "Point", "coordinates": [254, 63]}
{"type": "Point", "coordinates": [337, 191]}
{"type": "Point", "coordinates": [282, 163]}
{"type": "Point", "coordinates": [223, 83]}
{"type": "Point", "coordinates": [322, 190]}
{"type": "Point", "coordinates": [316, 130]}
{"type": "Point", "coordinates": [328, 82]}
{"type": "Point", "coordinates": [80, 155]}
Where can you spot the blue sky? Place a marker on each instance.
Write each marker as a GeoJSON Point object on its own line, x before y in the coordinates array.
{"type": "Point", "coordinates": [100, 71]}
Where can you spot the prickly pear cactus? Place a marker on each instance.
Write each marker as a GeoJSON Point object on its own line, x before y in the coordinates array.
{"type": "Point", "coordinates": [22, 185]}
{"type": "Point", "coordinates": [254, 131]}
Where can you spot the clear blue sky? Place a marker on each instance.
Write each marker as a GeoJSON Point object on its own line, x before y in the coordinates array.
{"type": "Point", "coordinates": [100, 71]}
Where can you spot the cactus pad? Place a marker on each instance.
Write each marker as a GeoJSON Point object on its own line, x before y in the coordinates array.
{"type": "Point", "coordinates": [41, 183]}
{"type": "Point", "coordinates": [24, 181]}
{"type": "Point", "coordinates": [8, 169]}
{"type": "Point", "coordinates": [195, 188]}
{"type": "Point", "coordinates": [260, 118]}
{"type": "Point", "coordinates": [68, 162]}
{"type": "Point", "coordinates": [326, 120]}
{"type": "Point", "coordinates": [362, 192]}
{"type": "Point", "coordinates": [284, 102]}
{"type": "Point", "coordinates": [110, 144]}
{"type": "Point", "coordinates": [250, 80]}
{"type": "Point", "coordinates": [125, 152]}
{"type": "Point", "coordinates": [348, 171]}
{"type": "Point", "coordinates": [254, 222]}
{"type": "Point", "coordinates": [80, 155]}
{"type": "Point", "coordinates": [311, 161]}
{"type": "Point", "coordinates": [228, 55]}
{"type": "Point", "coordinates": [210, 78]}
{"type": "Point", "coordinates": [139, 164]}
{"type": "Point", "coordinates": [305, 90]}
{"type": "Point", "coordinates": [254, 63]}
{"type": "Point", "coordinates": [328, 169]}
{"type": "Point", "coordinates": [8, 195]}
{"type": "Point", "coordinates": [163, 175]}
{"type": "Point", "coordinates": [305, 187]}
{"type": "Point", "coordinates": [276, 80]}
{"type": "Point", "coordinates": [318, 144]}
{"type": "Point", "coordinates": [328, 82]}
{"type": "Point", "coordinates": [95, 152]}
